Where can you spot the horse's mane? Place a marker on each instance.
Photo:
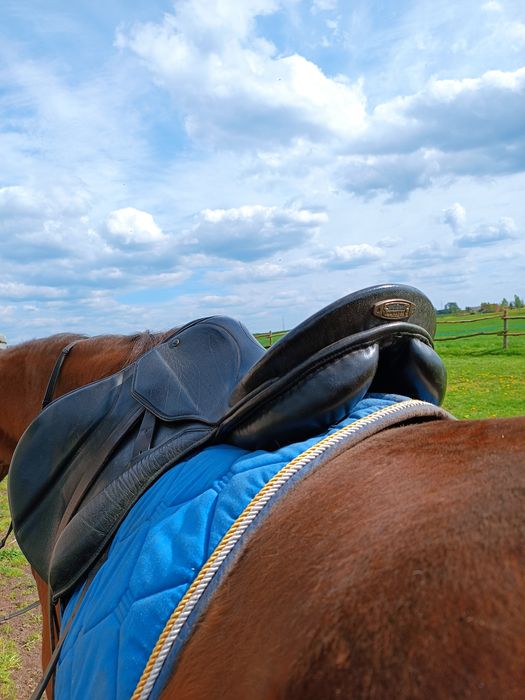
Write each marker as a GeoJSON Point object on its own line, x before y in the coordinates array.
{"type": "Point", "coordinates": [140, 343]}
{"type": "Point", "coordinates": [133, 346]}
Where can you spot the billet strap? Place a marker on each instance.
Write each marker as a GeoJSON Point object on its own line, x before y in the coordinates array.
{"type": "Point", "coordinates": [144, 438]}
{"type": "Point", "coordinates": [4, 538]}
{"type": "Point", "coordinates": [48, 396]}
{"type": "Point", "coordinates": [39, 691]}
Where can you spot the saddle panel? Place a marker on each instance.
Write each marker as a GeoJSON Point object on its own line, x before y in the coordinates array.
{"type": "Point", "coordinates": [412, 368]}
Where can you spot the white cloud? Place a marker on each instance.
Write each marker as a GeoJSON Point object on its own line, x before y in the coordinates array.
{"type": "Point", "coordinates": [19, 290]}
{"type": "Point", "coordinates": [492, 6]}
{"type": "Point", "coordinates": [251, 232]}
{"type": "Point", "coordinates": [484, 234]}
{"type": "Point", "coordinates": [389, 242]}
{"type": "Point", "coordinates": [132, 226]}
{"type": "Point", "coordinates": [156, 146]}
{"type": "Point", "coordinates": [324, 5]}
{"type": "Point", "coordinates": [455, 216]}
{"type": "Point", "coordinates": [233, 87]}
{"type": "Point", "coordinates": [449, 115]}
{"type": "Point", "coordinates": [217, 300]}
{"type": "Point", "coordinates": [449, 129]}
{"type": "Point", "coordinates": [348, 256]}
{"type": "Point", "coordinates": [17, 201]}
{"type": "Point", "coordinates": [488, 234]}
{"type": "Point", "coordinates": [514, 32]}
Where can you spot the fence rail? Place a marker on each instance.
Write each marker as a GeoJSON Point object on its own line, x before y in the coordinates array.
{"type": "Point", "coordinates": [504, 333]}
{"type": "Point", "coordinates": [267, 339]}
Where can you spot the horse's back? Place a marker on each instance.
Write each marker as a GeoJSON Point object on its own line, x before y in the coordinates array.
{"type": "Point", "coordinates": [394, 570]}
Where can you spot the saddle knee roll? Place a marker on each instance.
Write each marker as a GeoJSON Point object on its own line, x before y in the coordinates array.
{"type": "Point", "coordinates": [304, 402]}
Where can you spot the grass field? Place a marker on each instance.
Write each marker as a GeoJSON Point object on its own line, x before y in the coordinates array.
{"type": "Point", "coordinates": [483, 381]}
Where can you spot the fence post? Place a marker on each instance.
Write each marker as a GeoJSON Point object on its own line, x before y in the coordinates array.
{"type": "Point", "coordinates": [270, 338]}
{"type": "Point", "coordinates": [505, 328]}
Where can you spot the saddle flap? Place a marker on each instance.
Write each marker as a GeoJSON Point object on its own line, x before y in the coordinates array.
{"type": "Point", "coordinates": [41, 480]}
{"type": "Point", "coordinates": [191, 376]}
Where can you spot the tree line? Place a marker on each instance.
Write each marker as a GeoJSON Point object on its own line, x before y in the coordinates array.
{"type": "Point", "coordinates": [485, 307]}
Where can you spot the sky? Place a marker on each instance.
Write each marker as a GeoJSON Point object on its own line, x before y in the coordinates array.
{"type": "Point", "coordinates": [166, 160]}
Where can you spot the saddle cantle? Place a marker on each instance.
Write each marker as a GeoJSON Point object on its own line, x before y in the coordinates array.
{"type": "Point", "coordinates": [90, 454]}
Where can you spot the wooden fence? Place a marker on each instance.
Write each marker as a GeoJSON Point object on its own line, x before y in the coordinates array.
{"type": "Point", "coordinates": [267, 339]}
{"type": "Point", "coordinates": [504, 332]}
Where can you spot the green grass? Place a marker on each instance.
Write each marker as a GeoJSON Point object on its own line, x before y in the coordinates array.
{"type": "Point", "coordinates": [11, 562]}
{"type": "Point", "coordinates": [484, 380]}
{"type": "Point", "coordinates": [9, 662]}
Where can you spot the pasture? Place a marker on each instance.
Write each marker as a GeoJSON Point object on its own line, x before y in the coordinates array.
{"type": "Point", "coordinates": [483, 381]}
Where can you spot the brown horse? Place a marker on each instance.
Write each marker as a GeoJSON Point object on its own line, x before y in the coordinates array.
{"type": "Point", "coordinates": [396, 570]}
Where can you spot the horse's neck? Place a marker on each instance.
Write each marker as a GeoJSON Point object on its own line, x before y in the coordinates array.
{"type": "Point", "coordinates": [25, 371]}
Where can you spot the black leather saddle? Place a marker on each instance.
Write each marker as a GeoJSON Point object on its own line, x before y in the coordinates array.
{"type": "Point", "coordinates": [87, 458]}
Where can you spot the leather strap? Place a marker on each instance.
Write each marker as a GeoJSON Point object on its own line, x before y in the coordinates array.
{"type": "Point", "coordinates": [144, 438]}
{"type": "Point", "coordinates": [49, 672]}
{"type": "Point", "coordinates": [51, 385]}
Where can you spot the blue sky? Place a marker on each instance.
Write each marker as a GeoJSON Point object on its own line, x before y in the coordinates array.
{"type": "Point", "coordinates": [163, 161]}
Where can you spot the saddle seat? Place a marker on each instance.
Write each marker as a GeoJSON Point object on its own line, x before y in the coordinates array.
{"type": "Point", "coordinates": [88, 457]}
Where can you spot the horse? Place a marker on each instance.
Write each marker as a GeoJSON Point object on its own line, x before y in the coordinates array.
{"type": "Point", "coordinates": [395, 569]}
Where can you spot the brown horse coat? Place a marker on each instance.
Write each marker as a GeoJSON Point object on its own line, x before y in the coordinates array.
{"type": "Point", "coordinates": [397, 570]}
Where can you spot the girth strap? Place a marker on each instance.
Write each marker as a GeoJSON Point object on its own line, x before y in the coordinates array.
{"type": "Point", "coordinates": [51, 385]}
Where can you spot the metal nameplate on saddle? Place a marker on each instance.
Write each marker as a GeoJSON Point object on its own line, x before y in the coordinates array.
{"type": "Point", "coordinates": [100, 447]}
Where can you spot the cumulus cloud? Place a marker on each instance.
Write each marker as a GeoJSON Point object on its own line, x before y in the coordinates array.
{"type": "Point", "coordinates": [488, 234]}
{"type": "Point", "coordinates": [348, 256]}
{"type": "Point", "coordinates": [483, 234]}
{"type": "Point", "coordinates": [233, 87]}
{"type": "Point", "coordinates": [58, 224]}
{"type": "Point", "coordinates": [133, 226]}
{"type": "Point", "coordinates": [451, 128]}
{"type": "Point", "coordinates": [17, 201]}
{"type": "Point", "coordinates": [20, 203]}
{"type": "Point", "coordinates": [252, 232]}
{"type": "Point", "coordinates": [19, 290]}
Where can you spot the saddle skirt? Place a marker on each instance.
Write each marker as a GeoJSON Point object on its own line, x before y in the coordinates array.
{"type": "Point", "coordinates": [100, 447]}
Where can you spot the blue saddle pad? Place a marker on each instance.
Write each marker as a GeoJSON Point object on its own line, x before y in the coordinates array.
{"type": "Point", "coordinates": [161, 546]}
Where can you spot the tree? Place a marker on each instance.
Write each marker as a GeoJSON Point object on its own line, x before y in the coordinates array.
{"type": "Point", "coordinates": [504, 302]}
{"type": "Point", "coordinates": [487, 307]}
{"type": "Point", "coordinates": [451, 307]}
{"type": "Point", "coordinates": [518, 302]}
